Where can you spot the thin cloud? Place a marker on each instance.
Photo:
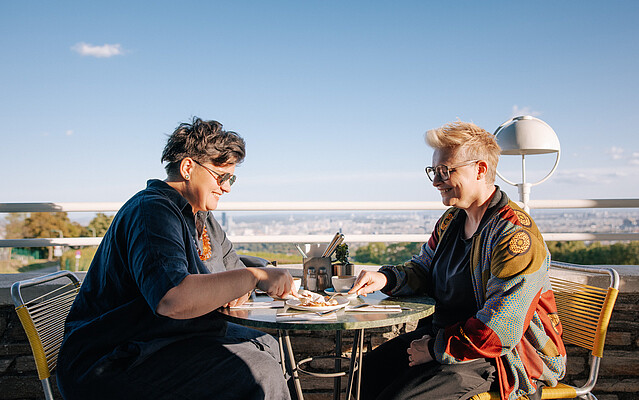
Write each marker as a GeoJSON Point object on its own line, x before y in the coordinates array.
{"type": "Point", "coordinates": [104, 51]}
{"type": "Point", "coordinates": [517, 111]}
{"type": "Point", "coordinates": [69, 132]}
{"type": "Point", "coordinates": [590, 176]}
{"type": "Point", "coordinates": [616, 153]}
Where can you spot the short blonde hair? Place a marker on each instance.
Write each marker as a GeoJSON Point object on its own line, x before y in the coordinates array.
{"type": "Point", "coordinates": [467, 140]}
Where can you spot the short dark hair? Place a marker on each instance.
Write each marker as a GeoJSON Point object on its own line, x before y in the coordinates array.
{"type": "Point", "coordinates": [203, 141]}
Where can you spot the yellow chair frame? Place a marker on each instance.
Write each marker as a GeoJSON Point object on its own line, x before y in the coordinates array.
{"type": "Point", "coordinates": [42, 317]}
{"type": "Point", "coordinates": [584, 312]}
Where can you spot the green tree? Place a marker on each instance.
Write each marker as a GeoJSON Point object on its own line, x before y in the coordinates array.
{"type": "Point", "coordinates": [399, 253]}
{"type": "Point", "coordinates": [380, 253]}
{"type": "Point", "coordinates": [47, 224]}
{"type": "Point", "coordinates": [595, 253]}
{"type": "Point", "coordinates": [41, 225]}
{"type": "Point", "coordinates": [576, 252]}
{"type": "Point", "coordinates": [371, 253]}
{"type": "Point", "coordinates": [100, 224]}
{"type": "Point", "coordinates": [14, 226]}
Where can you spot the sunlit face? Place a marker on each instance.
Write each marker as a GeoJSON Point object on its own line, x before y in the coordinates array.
{"type": "Point", "coordinates": [203, 190]}
{"type": "Point", "coordinates": [461, 189]}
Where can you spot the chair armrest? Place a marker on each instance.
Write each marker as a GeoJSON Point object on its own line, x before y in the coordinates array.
{"type": "Point", "coordinates": [253, 261]}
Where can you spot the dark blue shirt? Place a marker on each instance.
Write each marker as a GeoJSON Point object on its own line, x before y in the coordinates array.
{"type": "Point", "coordinates": [149, 249]}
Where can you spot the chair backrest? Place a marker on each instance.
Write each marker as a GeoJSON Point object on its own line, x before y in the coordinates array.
{"type": "Point", "coordinates": [585, 311]}
{"type": "Point", "coordinates": [42, 314]}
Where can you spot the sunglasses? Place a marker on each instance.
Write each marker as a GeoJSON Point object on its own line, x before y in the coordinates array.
{"type": "Point", "coordinates": [221, 178]}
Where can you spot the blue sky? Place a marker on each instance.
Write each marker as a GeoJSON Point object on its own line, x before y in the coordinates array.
{"type": "Point", "coordinates": [332, 97]}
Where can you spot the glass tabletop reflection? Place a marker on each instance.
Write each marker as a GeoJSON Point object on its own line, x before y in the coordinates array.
{"type": "Point", "coordinates": [412, 309]}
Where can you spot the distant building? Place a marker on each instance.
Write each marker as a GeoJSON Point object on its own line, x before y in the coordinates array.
{"type": "Point", "coordinates": [223, 222]}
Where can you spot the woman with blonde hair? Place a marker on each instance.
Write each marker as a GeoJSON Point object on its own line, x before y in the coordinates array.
{"type": "Point", "coordinates": [495, 325]}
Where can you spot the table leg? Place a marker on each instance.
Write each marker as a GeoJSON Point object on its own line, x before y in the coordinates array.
{"type": "Point", "coordinates": [357, 349]}
{"type": "Point", "coordinates": [293, 366]}
{"type": "Point", "coordinates": [282, 357]}
{"type": "Point", "coordinates": [359, 363]}
{"type": "Point", "coordinates": [337, 382]}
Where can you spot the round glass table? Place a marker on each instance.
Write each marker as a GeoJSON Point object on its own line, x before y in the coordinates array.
{"type": "Point", "coordinates": [402, 310]}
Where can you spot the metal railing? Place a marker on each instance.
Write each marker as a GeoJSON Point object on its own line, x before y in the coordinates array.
{"type": "Point", "coordinates": [318, 206]}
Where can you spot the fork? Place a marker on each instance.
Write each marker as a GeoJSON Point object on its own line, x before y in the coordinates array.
{"type": "Point", "coordinates": [322, 313]}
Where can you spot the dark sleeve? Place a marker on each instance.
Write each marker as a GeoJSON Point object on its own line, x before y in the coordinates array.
{"type": "Point", "coordinates": [156, 247]}
{"type": "Point", "coordinates": [391, 281]}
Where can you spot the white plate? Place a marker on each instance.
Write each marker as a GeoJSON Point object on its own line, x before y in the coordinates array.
{"type": "Point", "coordinates": [297, 304]}
{"type": "Point", "coordinates": [331, 291]}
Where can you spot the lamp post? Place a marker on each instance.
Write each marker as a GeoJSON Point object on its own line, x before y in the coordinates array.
{"type": "Point", "coordinates": [527, 135]}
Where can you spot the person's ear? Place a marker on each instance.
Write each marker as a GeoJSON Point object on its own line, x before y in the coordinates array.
{"type": "Point", "coordinates": [186, 167]}
{"type": "Point", "coordinates": [482, 169]}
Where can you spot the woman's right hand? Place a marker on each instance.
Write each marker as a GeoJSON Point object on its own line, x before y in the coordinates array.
{"type": "Point", "coordinates": [368, 282]}
{"type": "Point", "coordinates": [274, 281]}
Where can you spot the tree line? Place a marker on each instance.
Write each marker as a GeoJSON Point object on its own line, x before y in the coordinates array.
{"type": "Point", "coordinates": [575, 252]}
{"type": "Point", "coordinates": [595, 253]}
{"type": "Point", "coordinates": [51, 224]}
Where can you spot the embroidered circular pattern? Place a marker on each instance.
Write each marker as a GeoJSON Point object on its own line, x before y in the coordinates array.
{"type": "Point", "coordinates": [519, 243]}
{"type": "Point", "coordinates": [446, 222]}
{"type": "Point", "coordinates": [523, 218]}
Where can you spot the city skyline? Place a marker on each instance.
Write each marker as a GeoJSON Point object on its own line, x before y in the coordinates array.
{"type": "Point", "coordinates": [412, 222]}
{"type": "Point", "coordinates": [333, 98]}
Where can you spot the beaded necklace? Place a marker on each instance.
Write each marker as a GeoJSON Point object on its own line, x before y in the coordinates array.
{"type": "Point", "coordinates": [205, 253]}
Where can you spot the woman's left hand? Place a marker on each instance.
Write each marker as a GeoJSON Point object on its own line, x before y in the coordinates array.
{"type": "Point", "coordinates": [238, 302]}
{"type": "Point", "coordinates": [418, 351]}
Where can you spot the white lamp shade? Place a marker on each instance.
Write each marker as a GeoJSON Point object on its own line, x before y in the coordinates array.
{"type": "Point", "coordinates": [526, 135]}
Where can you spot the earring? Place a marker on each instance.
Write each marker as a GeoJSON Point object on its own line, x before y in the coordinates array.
{"type": "Point", "coordinates": [187, 177]}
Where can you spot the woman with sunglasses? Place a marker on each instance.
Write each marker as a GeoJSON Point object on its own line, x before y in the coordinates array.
{"type": "Point", "coordinates": [143, 325]}
{"type": "Point", "coordinates": [495, 325]}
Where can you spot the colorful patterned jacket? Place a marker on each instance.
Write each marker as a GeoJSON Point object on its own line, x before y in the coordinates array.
{"type": "Point", "coordinates": [517, 322]}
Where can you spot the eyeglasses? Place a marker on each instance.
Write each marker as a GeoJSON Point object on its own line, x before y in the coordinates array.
{"type": "Point", "coordinates": [444, 171]}
{"type": "Point", "coordinates": [220, 178]}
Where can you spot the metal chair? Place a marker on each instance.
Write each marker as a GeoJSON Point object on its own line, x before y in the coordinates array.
{"type": "Point", "coordinates": [254, 261]}
{"type": "Point", "coordinates": [42, 315]}
{"type": "Point", "coordinates": [584, 312]}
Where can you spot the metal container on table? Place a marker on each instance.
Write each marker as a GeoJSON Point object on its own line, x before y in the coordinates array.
{"type": "Point", "coordinates": [343, 269]}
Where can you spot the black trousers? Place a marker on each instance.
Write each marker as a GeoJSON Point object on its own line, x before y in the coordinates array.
{"type": "Point", "coordinates": [387, 376]}
{"type": "Point", "coordinates": [242, 365]}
